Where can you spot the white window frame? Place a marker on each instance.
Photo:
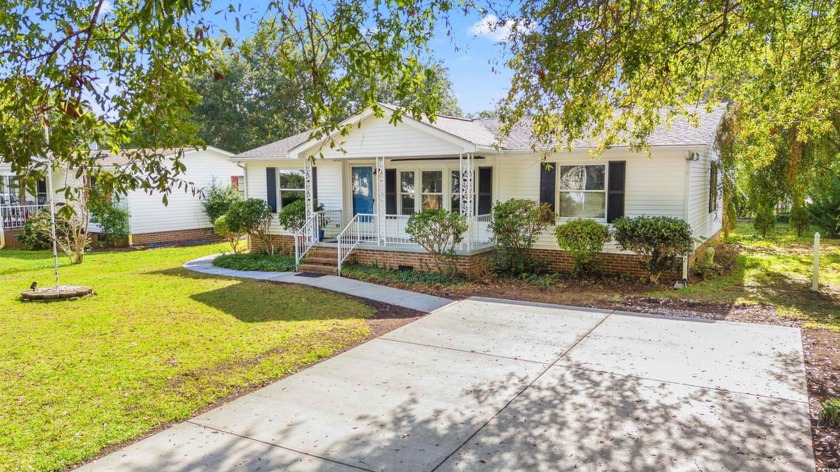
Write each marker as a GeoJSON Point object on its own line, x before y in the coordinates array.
{"type": "Point", "coordinates": [400, 192]}
{"type": "Point", "coordinates": [280, 189]}
{"type": "Point", "coordinates": [560, 191]}
{"type": "Point", "coordinates": [441, 194]}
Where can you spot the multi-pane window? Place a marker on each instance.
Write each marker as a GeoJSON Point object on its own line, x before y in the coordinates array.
{"type": "Point", "coordinates": [455, 191]}
{"type": "Point", "coordinates": [238, 184]}
{"type": "Point", "coordinates": [583, 191]}
{"type": "Point", "coordinates": [8, 190]}
{"type": "Point", "coordinates": [291, 186]}
{"type": "Point", "coordinates": [407, 192]}
{"type": "Point", "coordinates": [432, 190]}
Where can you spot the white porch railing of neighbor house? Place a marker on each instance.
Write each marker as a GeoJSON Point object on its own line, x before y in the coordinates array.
{"type": "Point", "coordinates": [363, 228]}
{"type": "Point", "coordinates": [14, 216]}
{"type": "Point", "coordinates": [316, 228]}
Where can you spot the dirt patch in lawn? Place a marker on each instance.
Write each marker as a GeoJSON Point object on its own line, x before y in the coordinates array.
{"type": "Point", "coordinates": [386, 318]}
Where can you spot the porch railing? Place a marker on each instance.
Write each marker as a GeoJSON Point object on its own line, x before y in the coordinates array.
{"type": "Point", "coordinates": [482, 234]}
{"type": "Point", "coordinates": [395, 232]}
{"type": "Point", "coordinates": [14, 216]}
{"type": "Point", "coordinates": [310, 232]}
{"type": "Point", "coordinates": [362, 228]}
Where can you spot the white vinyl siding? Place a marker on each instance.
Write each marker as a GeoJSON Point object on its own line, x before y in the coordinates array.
{"type": "Point", "coordinates": [703, 224]}
{"type": "Point", "coordinates": [654, 186]}
{"type": "Point", "coordinates": [329, 183]}
{"type": "Point", "coordinates": [148, 214]}
{"type": "Point", "coordinates": [376, 137]}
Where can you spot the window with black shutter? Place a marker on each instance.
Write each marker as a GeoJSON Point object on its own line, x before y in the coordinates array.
{"type": "Point", "coordinates": [548, 183]}
{"type": "Point", "coordinates": [271, 187]}
{"type": "Point", "coordinates": [615, 197]}
{"type": "Point", "coordinates": [485, 190]}
{"type": "Point", "coordinates": [713, 187]}
{"type": "Point", "coordinates": [391, 191]}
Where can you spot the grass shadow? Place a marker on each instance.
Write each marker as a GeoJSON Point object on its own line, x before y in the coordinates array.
{"type": "Point", "coordinates": [255, 301]}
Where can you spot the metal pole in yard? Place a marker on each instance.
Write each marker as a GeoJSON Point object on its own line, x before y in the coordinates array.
{"type": "Point", "coordinates": [815, 280]}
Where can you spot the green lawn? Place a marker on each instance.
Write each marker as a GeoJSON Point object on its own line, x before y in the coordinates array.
{"type": "Point", "coordinates": [154, 345]}
{"type": "Point", "coordinates": [777, 271]}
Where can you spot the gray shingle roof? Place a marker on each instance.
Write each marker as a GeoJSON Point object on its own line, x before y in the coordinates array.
{"type": "Point", "coordinates": [484, 132]}
{"type": "Point", "coordinates": [277, 148]}
{"type": "Point", "coordinates": [680, 132]}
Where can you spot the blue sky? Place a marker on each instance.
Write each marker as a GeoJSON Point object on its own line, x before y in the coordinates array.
{"type": "Point", "coordinates": [471, 54]}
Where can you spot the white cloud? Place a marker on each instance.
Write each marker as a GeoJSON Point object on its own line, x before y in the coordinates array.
{"type": "Point", "coordinates": [499, 31]}
{"type": "Point", "coordinates": [107, 7]}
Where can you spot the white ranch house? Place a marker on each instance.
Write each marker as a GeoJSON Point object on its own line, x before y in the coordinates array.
{"type": "Point", "coordinates": [382, 173]}
{"type": "Point", "coordinates": [150, 221]}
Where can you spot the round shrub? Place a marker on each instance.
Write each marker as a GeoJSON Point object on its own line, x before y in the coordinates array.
{"type": "Point", "coordinates": [660, 240]}
{"type": "Point", "coordinates": [438, 231]}
{"type": "Point", "coordinates": [218, 200]}
{"type": "Point", "coordinates": [583, 239]}
{"type": "Point", "coordinates": [516, 225]}
{"type": "Point", "coordinates": [114, 222]}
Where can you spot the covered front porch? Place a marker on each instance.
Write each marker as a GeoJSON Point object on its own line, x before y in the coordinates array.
{"type": "Point", "coordinates": [366, 203]}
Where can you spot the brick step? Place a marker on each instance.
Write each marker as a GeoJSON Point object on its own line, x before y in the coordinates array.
{"type": "Point", "coordinates": [314, 259]}
{"type": "Point", "coordinates": [318, 269]}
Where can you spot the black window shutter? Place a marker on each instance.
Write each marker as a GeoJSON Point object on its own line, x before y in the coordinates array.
{"type": "Point", "coordinates": [315, 185]}
{"type": "Point", "coordinates": [271, 187]}
{"type": "Point", "coordinates": [615, 197]}
{"type": "Point", "coordinates": [390, 191]}
{"type": "Point", "coordinates": [713, 174]}
{"type": "Point", "coordinates": [485, 190]}
{"type": "Point", "coordinates": [548, 183]}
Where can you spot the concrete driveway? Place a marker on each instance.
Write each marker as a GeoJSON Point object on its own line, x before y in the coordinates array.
{"type": "Point", "coordinates": [497, 385]}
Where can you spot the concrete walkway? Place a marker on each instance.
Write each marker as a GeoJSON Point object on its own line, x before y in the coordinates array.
{"type": "Point", "coordinates": [486, 384]}
{"type": "Point", "coordinates": [356, 288]}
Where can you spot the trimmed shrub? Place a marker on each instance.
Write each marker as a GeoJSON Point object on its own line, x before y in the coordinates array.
{"type": "Point", "coordinates": [438, 231]}
{"type": "Point", "coordinates": [765, 220]}
{"type": "Point", "coordinates": [292, 216]}
{"type": "Point", "coordinates": [218, 200]}
{"type": "Point", "coordinates": [252, 217]}
{"type": "Point", "coordinates": [114, 222]}
{"type": "Point", "coordinates": [222, 229]}
{"type": "Point", "coordinates": [660, 240]}
{"type": "Point", "coordinates": [583, 239]}
{"type": "Point", "coordinates": [516, 225]}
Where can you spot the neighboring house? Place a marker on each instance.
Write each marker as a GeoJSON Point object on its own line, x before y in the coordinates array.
{"type": "Point", "coordinates": [150, 221]}
{"type": "Point", "coordinates": [383, 173]}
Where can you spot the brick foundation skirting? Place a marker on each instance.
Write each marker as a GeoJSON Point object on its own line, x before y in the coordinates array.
{"type": "Point", "coordinates": [701, 249]}
{"type": "Point", "coordinates": [416, 260]}
{"type": "Point", "coordinates": [197, 234]}
{"type": "Point", "coordinates": [555, 260]}
{"type": "Point", "coordinates": [11, 238]}
{"type": "Point", "coordinates": [283, 243]}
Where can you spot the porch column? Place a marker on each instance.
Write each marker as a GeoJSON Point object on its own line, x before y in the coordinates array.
{"type": "Point", "coordinates": [379, 201]}
{"type": "Point", "coordinates": [467, 175]}
{"type": "Point", "coordinates": [308, 199]}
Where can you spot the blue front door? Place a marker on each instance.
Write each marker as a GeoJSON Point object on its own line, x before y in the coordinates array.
{"type": "Point", "coordinates": [362, 189]}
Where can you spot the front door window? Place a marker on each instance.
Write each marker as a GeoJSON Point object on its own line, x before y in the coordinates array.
{"type": "Point", "coordinates": [362, 189]}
